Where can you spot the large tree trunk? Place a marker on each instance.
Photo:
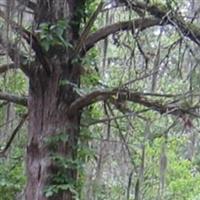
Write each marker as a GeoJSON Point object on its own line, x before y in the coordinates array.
{"type": "Point", "coordinates": [53, 136]}
{"type": "Point", "coordinates": [53, 132]}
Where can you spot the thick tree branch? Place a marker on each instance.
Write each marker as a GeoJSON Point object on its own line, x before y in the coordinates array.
{"type": "Point", "coordinates": [13, 98]}
{"type": "Point", "coordinates": [126, 95]}
{"type": "Point", "coordinates": [133, 25]}
{"type": "Point", "coordinates": [166, 14]}
{"type": "Point", "coordinates": [163, 15]}
{"type": "Point", "coordinates": [89, 99]}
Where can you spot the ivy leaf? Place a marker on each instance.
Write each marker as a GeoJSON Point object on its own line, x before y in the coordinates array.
{"type": "Point", "coordinates": [49, 193]}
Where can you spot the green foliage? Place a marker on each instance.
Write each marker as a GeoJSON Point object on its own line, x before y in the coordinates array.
{"type": "Point", "coordinates": [53, 142]}
{"type": "Point", "coordinates": [181, 183]}
{"type": "Point", "coordinates": [54, 189]}
{"type": "Point", "coordinates": [60, 181]}
{"type": "Point", "coordinates": [12, 175]}
{"type": "Point", "coordinates": [90, 7]}
{"type": "Point", "coordinates": [110, 191]}
{"type": "Point", "coordinates": [91, 77]}
{"type": "Point", "coordinates": [52, 35]}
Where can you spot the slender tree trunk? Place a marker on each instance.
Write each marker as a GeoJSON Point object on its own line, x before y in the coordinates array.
{"type": "Point", "coordinates": [53, 132]}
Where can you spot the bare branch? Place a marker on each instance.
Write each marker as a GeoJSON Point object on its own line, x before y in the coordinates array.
{"type": "Point", "coordinates": [137, 24]}
{"type": "Point", "coordinates": [108, 119]}
{"type": "Point", "coordinates": [3, 152]}
{"type": "Point", "coordinates": [31, 39]}
{"type": "Point", "coordinates": [126, 95]}
{"type": "Point", "coordinates": [6, 67]}
{"type": "Point", "coordinates": [163, 16]}
{"type": "Point", "coordinates": [122, 137]}
{"type": "Point", "coordinates": [13, 98]}
{"type": "Point", "coordinates": [167, 15]}
{"type": "Point", "coordinates": [87, 28]}
{"type": "Point", "coordinates": [16, 56]}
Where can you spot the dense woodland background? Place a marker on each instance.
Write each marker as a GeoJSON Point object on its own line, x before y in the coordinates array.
{"type": "Point", "coordinates": [141, 143]}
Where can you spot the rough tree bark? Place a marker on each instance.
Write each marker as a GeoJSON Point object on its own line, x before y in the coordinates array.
{"type": "Point", "coordinates": [48, 117]}
{"type": "Point", "coordinates": [50, 94]}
